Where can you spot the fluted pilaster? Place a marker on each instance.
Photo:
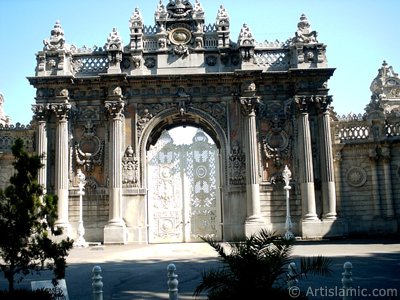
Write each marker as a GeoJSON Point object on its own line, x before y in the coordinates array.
{"type": "Point", "coordinates": [40, 113]}
{"type": "Point", "coordinates": [305, 160]}
{"type": "Point", "coordinates": [327, 169]}
{"type": "Point", "coordinates": [61, 185]}
{"type": "Point", "coordinates": [249, 108]}
{"type": "Point", "coordinates": [115, 231]}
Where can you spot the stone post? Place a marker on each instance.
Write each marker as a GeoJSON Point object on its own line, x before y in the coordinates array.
{"type": "Point", "coordinates": [97, 284]}
{"type": "Point", "coordinates": [347, 281]}
{"type": "Point", "coordinates": [249, 102]}
{"type": "Point", "coordinates": [172, 282]}
{"type": "Point", "coordinates": [327, 169]}
{"type": "Point", "coordinates": [115, 231]}
{"type": "Point", "coordinates": [292, 281]}
{"type": "Point", "coordinates": [61, 185]}
{"type": "Point", "coordinates": [388, 182]}
{"type": "Point", "coordinates": [306, 162]}
{"type": "Point", "coordinates": [40, 112]}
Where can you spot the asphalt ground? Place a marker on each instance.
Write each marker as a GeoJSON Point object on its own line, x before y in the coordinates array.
{"type": "Point", "coordinates": [140, 271]}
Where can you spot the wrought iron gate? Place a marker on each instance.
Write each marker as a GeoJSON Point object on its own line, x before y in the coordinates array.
{"type": "Point", "coordinates": [184, 195]}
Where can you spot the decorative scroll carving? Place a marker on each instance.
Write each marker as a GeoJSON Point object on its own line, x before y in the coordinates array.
{"type": "Point", "coordinates": [237, 166]}
{"type": "Point", "coordinates": [89, 151]}
{"type": "Point", "coordinates": [130, 168]}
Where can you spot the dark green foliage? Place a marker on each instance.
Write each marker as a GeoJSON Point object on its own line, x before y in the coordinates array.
{"type": "Point", "coordinates": [27, 219]}
{"type": "Point", "coordinates": [255, 268]}
{"type": "Point", "coordinates": [26, 295]}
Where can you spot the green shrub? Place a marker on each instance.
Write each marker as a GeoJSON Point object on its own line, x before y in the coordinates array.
{"type": "Point", "coordinates": [26, 295]}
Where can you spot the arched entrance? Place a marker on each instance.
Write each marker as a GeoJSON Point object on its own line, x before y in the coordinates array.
{"type": "Point", "coordinates": [183, 179]}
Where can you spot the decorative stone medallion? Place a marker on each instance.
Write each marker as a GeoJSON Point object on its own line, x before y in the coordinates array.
{"type": "Point", "coordinates": [356, 176]}
{"type": "Point", "coordinates": [180, 36]}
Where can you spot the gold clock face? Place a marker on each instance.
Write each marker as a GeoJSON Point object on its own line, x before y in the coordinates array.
{"type": "Point", "coordinates": [180, 36]}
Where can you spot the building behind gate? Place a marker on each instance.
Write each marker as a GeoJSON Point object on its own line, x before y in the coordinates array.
{"type": "Point", "coordinates": [258, 107]}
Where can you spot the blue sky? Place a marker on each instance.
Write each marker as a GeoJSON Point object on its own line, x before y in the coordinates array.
{"type": "Point", "coordinates": [359, 35]}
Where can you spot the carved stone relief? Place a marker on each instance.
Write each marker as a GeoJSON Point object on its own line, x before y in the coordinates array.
{"type": "Point", "coordinates": [130, 168]}
{"type": "Point", "coordinates": [89, 151]}
{"type": "Point", "coordinates": [356, 176]}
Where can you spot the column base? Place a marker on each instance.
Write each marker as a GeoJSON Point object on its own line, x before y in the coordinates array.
{"type": "Point", "coordinates": [66, 228]}
{"type": "Point", "coordinates": [253, 225]}
{"type": "Point", "coordinates": [323, 229]}
{"type": "Point", "coordinates": [329, 217]}
{"type": "Point", "coordinates": [115, 234]}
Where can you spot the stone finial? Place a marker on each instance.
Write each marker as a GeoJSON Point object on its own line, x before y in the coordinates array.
{"type": "Point", "coordinates": [198, 11]}
{"type": "Point", "coordinates": [304, 34]}
{"type": "Point", "coordinates": [161, 12]}
{"type": "Point", "coordinates": [136, 20]}
{"type": "Point", "coordinates": [56, 40]}
{"type": "Point", "coordinates": [222, 14]}
{"type": "Point", "coordinates": [386, 83]}
{"type": "Point", "coordinates": [114, 41]}
{"type": "Point", "coordinates": [245, 36]}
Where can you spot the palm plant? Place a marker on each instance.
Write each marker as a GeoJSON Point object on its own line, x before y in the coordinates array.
{"type": "Point", "coordinates": [256, 266]}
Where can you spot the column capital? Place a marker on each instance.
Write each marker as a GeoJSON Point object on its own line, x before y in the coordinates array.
{"type": "Point", "coordinates": [40, 111]}
{"type": "Point", "coordinates": [114, 108]}
{"type": "Point", "coordinates": [321, 101]}
{"type": "Point", "coordinates": [61, 109]}
{"type": "Point", "coordinates": [249, 105]}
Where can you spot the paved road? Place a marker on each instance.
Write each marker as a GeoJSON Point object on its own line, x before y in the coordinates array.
{"type": "Point", "coordinates": [139, 271]}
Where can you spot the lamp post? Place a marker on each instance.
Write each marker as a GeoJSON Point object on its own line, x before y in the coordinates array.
{"type": "Point", "coordinates": [80, 242]}
{"type": "Point", "coordinates": [286, 174]}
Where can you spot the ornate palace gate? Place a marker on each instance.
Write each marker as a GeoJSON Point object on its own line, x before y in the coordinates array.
{"type": "Point", "coordinates": [184, 195]}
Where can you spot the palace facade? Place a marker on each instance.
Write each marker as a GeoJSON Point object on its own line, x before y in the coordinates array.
{"type": "Point", "coordinates": [107, 112]}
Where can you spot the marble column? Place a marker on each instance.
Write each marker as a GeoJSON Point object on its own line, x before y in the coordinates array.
{"type": "Point", "coordinates": [40, 113]}
{"type": "Point", "coordinates": [61, 184]}
{"type": "Point", "coordinates": [115, 231]}
{"type": "Point", "coordinates": [254, 221]}
{"type": "Point", "coordinates": [306, 161]}
{"type": "Point", "coordinates": [389, 212]}
{"type": "Point", "coordinates": [327, 169]}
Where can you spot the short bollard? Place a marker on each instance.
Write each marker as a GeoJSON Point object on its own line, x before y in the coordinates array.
{"type": "Point", "coordinates": [347, 281]}
{"type": "Point", "coordinates": [97, 284]}
{"type": "Point", "coordinates": [292, 280]}
{"type": "Point", "coordinates": [172, 282]}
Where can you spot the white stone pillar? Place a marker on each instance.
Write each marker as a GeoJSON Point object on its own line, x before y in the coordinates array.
{"type": "Point", "coordinates": [388, 182]}
{"type": "Point", "coordinates": [249, 105]}
{"type": "Point", "coordinates": [61, 184]}
{"type": "Point", "coordinates": [306, 162]}
{"type": "Point", "coordinates": [115, 230]}
{"type": "Point", "coordinates": [327, 169]}
{"type": "Point", "coordinates": [40, 113]}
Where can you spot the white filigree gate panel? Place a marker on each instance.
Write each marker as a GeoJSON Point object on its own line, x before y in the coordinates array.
{"type": "Point", "coordinates": [184, 195]}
